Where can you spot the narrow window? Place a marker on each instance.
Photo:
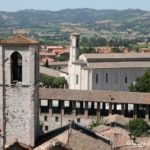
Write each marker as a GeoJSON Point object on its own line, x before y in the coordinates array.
{"type": "Point", "coordinates": [126, 79]}
{"type": "Point", "coordinates": [77, 79]}
{"type": "Point", "coordinates": [106, 75]}
{"type": "Point", "coordinates": [46, 128]}
{"type": "Point", "coordinates": [45, 118]}
{"type": "Point", "coordinates": [16, 67]}
{"type": "Point", "coordinates": [56, 119]}
{"type": "Point", "coordinates": [96, 77]}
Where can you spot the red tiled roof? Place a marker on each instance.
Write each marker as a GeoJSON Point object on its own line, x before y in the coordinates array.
{"type": "Point", "coordinates": [18, 40]}
{"type": "Point", "coordinates": [47, 58]}
{"type": "Point", "coordinates": [54, 47]}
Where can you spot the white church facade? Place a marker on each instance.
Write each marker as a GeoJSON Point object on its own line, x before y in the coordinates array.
{"type": "Point", "coordinates": [113, 71]}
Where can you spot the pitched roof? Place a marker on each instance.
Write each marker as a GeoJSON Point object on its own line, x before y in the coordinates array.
{"type": "Point", "coordinates": [96, 57]}
{"type": "Point", "coordinates": [17, 145]}
{"type": "Point", "coordinates": [49, 72]}
{"type": "Point", "coordinates": [18, 40]}
{"type": "Point", "coordinates": [47, 59]}
{"type": "Point", "coordinates": [119, 97]}
{"type": "Point", "coordinates": [79, 138]}
{"type": "Point", "coordinates": [129, 64]}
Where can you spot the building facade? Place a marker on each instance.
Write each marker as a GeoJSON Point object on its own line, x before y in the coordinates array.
{"type": "Point", "coordinates": [19, 76]}
{"type": "Point", "coordinates": [113, 71]}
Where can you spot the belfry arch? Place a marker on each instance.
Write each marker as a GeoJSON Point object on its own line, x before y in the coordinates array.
{"type": "Point", "coordinates": [16, 67]}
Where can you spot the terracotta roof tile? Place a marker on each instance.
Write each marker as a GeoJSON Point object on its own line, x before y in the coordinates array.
{"type": "Point", "coordinates": [18, 40]}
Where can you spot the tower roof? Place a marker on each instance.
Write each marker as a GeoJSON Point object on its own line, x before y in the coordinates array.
{"type": "Point", "coordinates": [75, 34]}
{"type": "Point", "coordinates": [18, 40]}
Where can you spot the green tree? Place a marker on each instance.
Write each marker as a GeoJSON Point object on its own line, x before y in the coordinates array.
{"type": "Point", "coordinates": [46, 80]}
{"type": "Point", "coordinates": [60, 82]}
{"type": "Point", "coordinates": [137, 127]}
{"type": "Point", "coordinates": [142, 84]}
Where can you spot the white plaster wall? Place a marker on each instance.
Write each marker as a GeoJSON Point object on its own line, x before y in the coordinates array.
{"type": "Point", "coordinates": [75, 70]}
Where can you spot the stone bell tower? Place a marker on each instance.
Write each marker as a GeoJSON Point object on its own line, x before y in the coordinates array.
{"type": "Point", "coordinates": [19, 76]}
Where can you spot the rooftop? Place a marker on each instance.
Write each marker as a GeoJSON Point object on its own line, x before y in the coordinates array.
{"type": "Point", "coordinates": [18, 40]}
{"type": "Point", "coordinates": [49, 72]}
{"type": "Point", "coordinates": [76, 136]}
{"type": "Point", "coordinates": [129, 64]}
{"type": "Point", "coordinates": [96, 96]}
{"type": "Point", "coordinates": [115, 57]}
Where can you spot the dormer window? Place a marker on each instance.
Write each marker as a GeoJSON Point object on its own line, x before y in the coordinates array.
{"type": "Point", "coordinates": [16, 68]}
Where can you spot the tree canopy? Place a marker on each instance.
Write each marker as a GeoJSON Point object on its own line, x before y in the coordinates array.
{"type": "Point", "coordinates": [59, 82]}
{"type": "Point", "coordinates": [53, 82]}
{"type": "Point", "coordinates": [137, 127]}
{"type": "Point", "coordinates": [142, 84]}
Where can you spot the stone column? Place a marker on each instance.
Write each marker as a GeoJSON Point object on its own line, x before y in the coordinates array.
{"type": "Point", "coordinates": [103, 106]}
{"type": "Point", "coordinates": [122, 109]}
{"type": "Point", "coordinates": [81, 108]}
{"type": "Point", "coordinates": [81, 105]}
{"type": "Point", "coordinates": [135, 109]}
{"type": "Point", "coordinates": [86, 110]}
{"type": "Point", "coordinates": [74, 109]}
{"type": "Point", "coordinates": [115, 107]}
{"type": "Point", "coordinates": [98, 110]}
{"type": "Point", "coordinates": [61, 111]}
{"type": "Point", "coordinates": [110, 108]}
{"type": "Point", "coordinates": [92, 108]}
{"type": "Point", "coordinates": [126, 109]}
{"type": "Point", "coordinates": [62, 108]}
{"type": "Point", "coordinates": [147, 111]}
{"type": "Point", "coordinates": [50, 107]}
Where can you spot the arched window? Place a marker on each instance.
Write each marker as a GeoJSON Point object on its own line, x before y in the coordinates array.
{"type": "Point", "coordinates": [16, 67]}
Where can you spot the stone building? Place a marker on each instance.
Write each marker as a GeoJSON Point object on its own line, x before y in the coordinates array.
{"type": "Point", "coordinates": [113, 71]}
{"type": "Point", "coordinates": [19, 76]}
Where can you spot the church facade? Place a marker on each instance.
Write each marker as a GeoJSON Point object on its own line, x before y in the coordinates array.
{"type": "Point", "coordinates": [19, 76]}
{"type": "Point", "coordinates": [113, 71]}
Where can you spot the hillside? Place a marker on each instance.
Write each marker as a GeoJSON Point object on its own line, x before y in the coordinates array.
{"type": "Point", "coordinates": [83, 20]}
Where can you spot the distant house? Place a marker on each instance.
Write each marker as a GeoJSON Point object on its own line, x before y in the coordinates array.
{"type": "Point", "coordinates": [103, 50]}
{"type": "Point", "coordinates": [53, 51]}
{"type": "Point", "coordinates": [145, 50]}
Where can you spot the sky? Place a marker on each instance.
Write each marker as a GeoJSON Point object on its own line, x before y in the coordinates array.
{"type": "Point", "coordinates": [15, 5]}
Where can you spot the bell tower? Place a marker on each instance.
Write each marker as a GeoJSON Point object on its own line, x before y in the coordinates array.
{"type": "Point", "coordinates": [74, 48]}
{"type": "Point", "coordinates": [74, 55]}
{"type": "Point", "coordinates": [19, 90]}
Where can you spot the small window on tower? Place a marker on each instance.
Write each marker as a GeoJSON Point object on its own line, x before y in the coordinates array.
{"type": "Point", "coordinates": [46, 128]}
{"type": "Point", "coordinates": [16, 67]}
{"type": "Point", "coordinates": [45, 118]}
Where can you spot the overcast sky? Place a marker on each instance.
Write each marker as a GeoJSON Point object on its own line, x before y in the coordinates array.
{"type": "Point", "coordinates": [14, 5]}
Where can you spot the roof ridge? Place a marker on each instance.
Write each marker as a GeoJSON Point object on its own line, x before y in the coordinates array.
{"type": "Point", "coordinates": [18, 39]}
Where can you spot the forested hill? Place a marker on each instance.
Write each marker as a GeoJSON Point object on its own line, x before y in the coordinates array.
{"type": "Point", "coordinates": [29, 18]}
